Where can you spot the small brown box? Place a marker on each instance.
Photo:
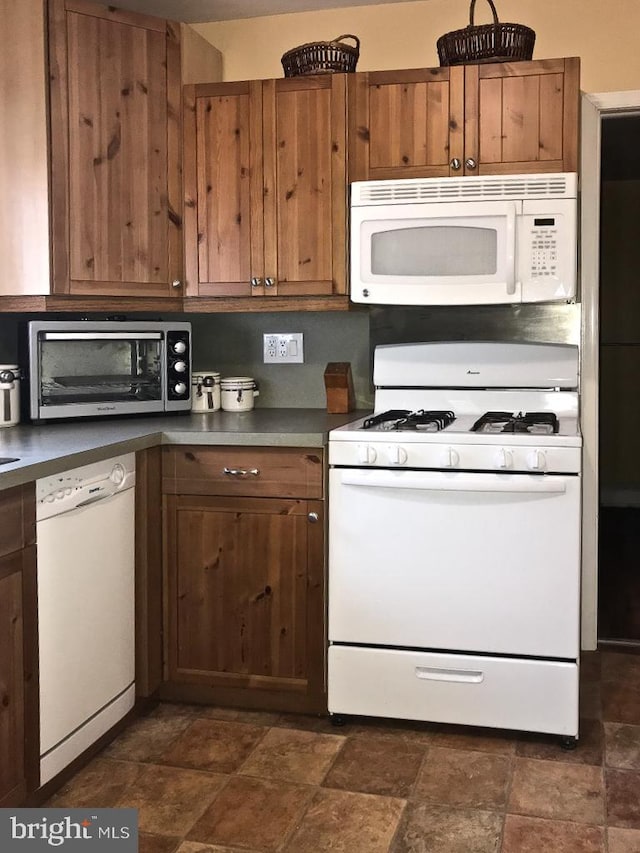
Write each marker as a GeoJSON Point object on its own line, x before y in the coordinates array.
{"type": "Point", "coordinates": [338, 383]}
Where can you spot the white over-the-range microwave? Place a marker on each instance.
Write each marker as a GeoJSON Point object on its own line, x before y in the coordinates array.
{"type": "Point", "coordinates": [490, 240]}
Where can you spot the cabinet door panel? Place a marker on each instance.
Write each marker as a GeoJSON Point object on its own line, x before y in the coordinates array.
{"type": "Point", "coordinates": [405, 124]}
{"type": "Point", "coordinates": [115, 95]}
{"type": "Point", "coordinates": [12, 700]}
{"type": "Point", "coordinates": [223, 189]}
{"type": "Point", "coordinates": [118, 151]}
{"type": "Point", "coordinates": [303, 189]}
{"type": "Point", "coordinates": [245, 589]}
{"type": "Point", "coordinates": [526, 116]}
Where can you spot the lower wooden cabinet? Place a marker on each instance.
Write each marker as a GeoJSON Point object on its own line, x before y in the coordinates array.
{"type": "Point", "coordinates": [18, 648]}
{"type": "Point", "coordinates": [245, 578]}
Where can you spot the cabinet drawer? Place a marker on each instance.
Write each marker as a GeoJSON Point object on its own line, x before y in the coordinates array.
{"type": "Point", "coordinates": [505, 693]}
{"type": "Point", "coordinates": [253, 471]}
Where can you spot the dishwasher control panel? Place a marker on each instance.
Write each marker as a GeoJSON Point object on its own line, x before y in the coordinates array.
{"type": "Point", "coordinates": [83, 486]}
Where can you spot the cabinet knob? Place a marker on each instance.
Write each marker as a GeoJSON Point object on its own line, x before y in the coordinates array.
{"type": "Point", "coordinates": [470, 163]}
{"type": "Point", "coordinates": [313, 517]}
{"type": "Point", "coordinates": [176, 283]}
{"type": "Point", "coordinates": [269, 282]}
{"type": "Point", "coordinates": [455, 164]}
{"type": "Point", "coordinates": [256, 282]}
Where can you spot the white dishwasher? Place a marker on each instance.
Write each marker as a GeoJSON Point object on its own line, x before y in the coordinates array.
{"type": "Point", "coordinates": [86, 576]}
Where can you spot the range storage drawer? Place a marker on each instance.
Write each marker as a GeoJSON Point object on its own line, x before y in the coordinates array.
{"type": "Point", "coordinates": [508, 693]}
{"type": "Point", "coordinates": [283, 472]}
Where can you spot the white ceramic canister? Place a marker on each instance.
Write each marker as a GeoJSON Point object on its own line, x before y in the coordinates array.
{"type": "Point", "coordinates": [9, 395]}
{"type": "Point", "coordinates": [238, 393]}
{"type": "Point", "coordinates": [205, 391]}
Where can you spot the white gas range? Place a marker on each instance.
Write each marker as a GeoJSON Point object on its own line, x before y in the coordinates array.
{"type": "Point", "coordinates": [454, 540]}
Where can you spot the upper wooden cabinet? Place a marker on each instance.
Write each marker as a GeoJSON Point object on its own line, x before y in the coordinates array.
{"type": "Point", "coordinates": [115, 139]}
{"type": "Point", "coordinates": [90, 160]}
{"type": "Point", "coordinates": [498, 118]}
{"type": "Point", "coordinates": [265, 187]}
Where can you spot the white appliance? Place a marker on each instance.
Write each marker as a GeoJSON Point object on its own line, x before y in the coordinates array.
{"type": "Point", "coordinates": [464, 241]}
{"type": "Point", "coordinates": [454, 540]}
{"type": "Point", "coordinates": [85, 543]}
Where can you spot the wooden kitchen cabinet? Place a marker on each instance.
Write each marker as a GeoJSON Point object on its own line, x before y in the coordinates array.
{"type": "Point", "coordinates": [265, 188]}
{"type": "Point", "coordinates": [494, 118]}
{"type": "Point", "coordinates": [91, 171]}
{"type": "Point", "coordinates": [244, 565]}
{"type": "Point", "coordinates": [18, 647]}
{"type": "Point", "coordinates": [115, 140]}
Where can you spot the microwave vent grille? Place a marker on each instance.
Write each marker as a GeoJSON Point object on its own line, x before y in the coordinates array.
{"type": "Point", "coordinates": [489, 188]}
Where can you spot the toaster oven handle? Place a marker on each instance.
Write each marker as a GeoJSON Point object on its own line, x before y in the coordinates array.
{"type": "Point", "coordinates": [511, 248]}
{"type": "Point", "coordinates": [101, 336]}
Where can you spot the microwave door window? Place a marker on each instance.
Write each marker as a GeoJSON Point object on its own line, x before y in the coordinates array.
{"type": "Point", "coordinates": [430, 251]}
{"type": "Point", "coordinates": [99, 371]}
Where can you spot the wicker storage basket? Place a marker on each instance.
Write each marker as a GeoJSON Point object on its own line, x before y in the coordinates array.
{"type": "Point", "coordinates": [322, 57]}
{"type": "Point", "coordinates": [487, 43]}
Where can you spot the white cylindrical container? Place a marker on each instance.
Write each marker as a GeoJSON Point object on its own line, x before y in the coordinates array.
{"type": "Point", "coordinates": [205, 391]}
{"type": "Point", "coordinates": [237, 393]}
{"type": "Point", "coordinates": [9, 395]}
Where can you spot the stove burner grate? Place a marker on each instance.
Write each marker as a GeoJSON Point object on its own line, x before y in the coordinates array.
{"type": "Point", "coordinates": [537, 423]}
{"type": "Point", "coordinates": [403, 419]}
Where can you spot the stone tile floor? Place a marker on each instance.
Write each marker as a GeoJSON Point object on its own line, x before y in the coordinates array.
{"type": "Point", "coordinates": [216, 780]}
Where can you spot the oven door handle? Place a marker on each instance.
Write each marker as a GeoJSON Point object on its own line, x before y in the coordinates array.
{"type": "Point", "coordinates": [513, 483]}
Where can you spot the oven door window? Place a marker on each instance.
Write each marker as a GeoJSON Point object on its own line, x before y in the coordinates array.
{"type": "Point", "coordinates": [84, 368]}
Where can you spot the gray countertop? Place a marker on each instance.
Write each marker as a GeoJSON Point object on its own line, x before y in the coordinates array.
{"type": "Point", "coordinates": [48, 449]}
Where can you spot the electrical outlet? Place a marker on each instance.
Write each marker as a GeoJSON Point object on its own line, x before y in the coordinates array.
{"type": "Point", "coordinates": [283, 348]}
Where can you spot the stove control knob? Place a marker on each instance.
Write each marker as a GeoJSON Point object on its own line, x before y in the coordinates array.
{"type": "Point", "coordinates": [366, 454]}
{"type": "Point", "coordinates": [504, 458]}
{"type": "Point", "coordinates": [536, 460]}
{"type": "Point", "coordinates": [450, 458]}
{"type": "Point", "coordinates": [397, 454]}
{"type": "Point", "coordinates": [180, 366]}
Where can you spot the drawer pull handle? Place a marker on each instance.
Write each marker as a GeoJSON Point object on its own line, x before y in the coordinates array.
{"type": "Point", "coordinates": [434, 673]}
{"type": "Point", "coordinates": [241, 472]}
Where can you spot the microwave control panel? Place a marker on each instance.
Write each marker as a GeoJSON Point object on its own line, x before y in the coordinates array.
{"type": "Point", "coordinates": [544, 247]}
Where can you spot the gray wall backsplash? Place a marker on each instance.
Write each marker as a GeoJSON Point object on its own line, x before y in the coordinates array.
{"type": "Point", "coordinates": [231, 344]}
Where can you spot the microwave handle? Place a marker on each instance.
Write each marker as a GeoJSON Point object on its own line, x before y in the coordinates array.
{"type": "Point", "coordinates": [511, 248]}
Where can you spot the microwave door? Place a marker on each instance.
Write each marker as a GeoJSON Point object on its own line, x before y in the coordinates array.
{"type": "Point", "coordinates": [435, 254]}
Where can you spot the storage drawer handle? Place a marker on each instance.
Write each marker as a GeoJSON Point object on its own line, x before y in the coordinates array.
{"type": "Point", "coordinates": [434, 673]}
{"type": "Point", "coordinates": [241, 472]}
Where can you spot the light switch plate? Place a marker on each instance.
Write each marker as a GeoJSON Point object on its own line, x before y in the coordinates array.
{"type": "Point", "coordinates": [283, 347]}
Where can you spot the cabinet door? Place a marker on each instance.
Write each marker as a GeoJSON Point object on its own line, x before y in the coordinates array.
{"type": "Point", "coordinates": [246, 598]}
{"type": "Point", "coordinates": [406, 124]}
{"type": "Point", "coordinates": [522, 117]}
{"type": "Point", "coordinates": [12, 696]}
{"type": "Point", "coordinates": [116, 150]}
{"type": "Point", "coordinates": [223, 188]}
{"type": "Point", "coordinates": [305, 190]}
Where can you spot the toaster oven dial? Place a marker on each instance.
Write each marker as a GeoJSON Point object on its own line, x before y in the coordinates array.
{"type": "Point", "coordinates": [180, 366]}
{"type": "Point", "coordinates": [180, 388]}
{"type": "Point", "coordinates": [179, 347]}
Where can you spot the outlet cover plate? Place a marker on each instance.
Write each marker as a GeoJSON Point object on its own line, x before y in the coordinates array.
{"type": "Point", "coordinates": [283, 348]}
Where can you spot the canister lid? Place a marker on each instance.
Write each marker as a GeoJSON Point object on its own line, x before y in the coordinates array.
{"type": "Point", "coordinates": [199, 375]}
{"type": "Point", "coordinates": [234, 383]}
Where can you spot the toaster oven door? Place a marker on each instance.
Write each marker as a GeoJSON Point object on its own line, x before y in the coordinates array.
{"type": "Point", "coordinates": [94, 373]}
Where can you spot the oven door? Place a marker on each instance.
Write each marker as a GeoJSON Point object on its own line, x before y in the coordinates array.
{"type": "Point", "coordinates": [96, 372]}
{"type": "Point", "coordinates": [477, 562]}
{"type": "Point", "coordinates": [435, 254]}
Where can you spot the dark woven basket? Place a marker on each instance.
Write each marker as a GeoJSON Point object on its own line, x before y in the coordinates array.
{"type": "Point", "coordinates": [487, 43]}
{"type": "Point", "coordinates": [322, 57]}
